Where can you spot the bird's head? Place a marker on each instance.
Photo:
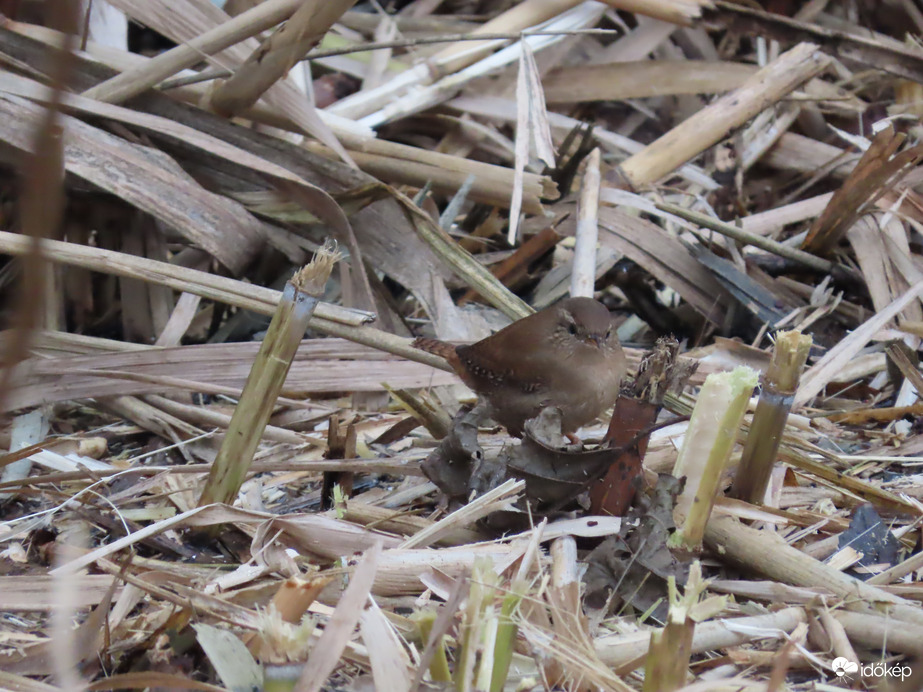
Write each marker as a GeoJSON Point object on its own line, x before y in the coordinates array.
{"type": "Point", "coordinates": [584, 323]}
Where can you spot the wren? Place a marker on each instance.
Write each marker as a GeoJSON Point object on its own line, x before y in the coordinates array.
{"type": "Point", "coordinates": [567, 356]}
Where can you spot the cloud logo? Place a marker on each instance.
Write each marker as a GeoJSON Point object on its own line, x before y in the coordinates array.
{"type": "Point", "coordinates": [842, 666]}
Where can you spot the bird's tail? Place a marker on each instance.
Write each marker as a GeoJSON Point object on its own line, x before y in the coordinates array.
{"type": "Point", "coordinates": [436, 347]}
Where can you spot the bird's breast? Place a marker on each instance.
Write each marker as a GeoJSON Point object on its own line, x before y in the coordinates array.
{"type": "Point", "coordinates": [584, 386]}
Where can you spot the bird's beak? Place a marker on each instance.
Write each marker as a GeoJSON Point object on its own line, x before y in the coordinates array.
{"type": "Point", "coordinates": [596, 339]}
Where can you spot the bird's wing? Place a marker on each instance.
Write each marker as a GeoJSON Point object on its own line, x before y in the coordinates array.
{"type": "Point", "coordinates": [503, 363]}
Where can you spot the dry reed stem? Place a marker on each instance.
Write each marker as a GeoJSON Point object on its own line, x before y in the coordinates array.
{"type": "Point", "coordinates": [517, 18]}
{"type": "Point", "coordinates": [714, 122]}
{"type": "Point", "coordinates": [749, 238]}
{"type": "Point", "coordinates": [403, 523]}
{"type": "Point", "coordinates": [396, 466]}
{"type": "Point", "coordinates": [243, 295]}
{"type": "Point", "coordinates": [680, 12]}
{"type": "Point", "coordinates": [398, 163]}
{"type": "Point", "coordinates": [621, 649]}
{"type": "Point", "coordinates": [642, 79]}
{"type": "Point", "coordinates": [768, 554]}
{"type": "Point", "coordinates": [330, 319]}
{"type": "Point", "coordinates": [277, 55]}
{"type": "Point", "coordinates": [494, 500]}
{"type": "Point", "coordinates": [264, 384]}
{"type": "Point", "coordinates": [877, 632]}
{"type": "Point", "coordinates": [133, 82]}
{"type": "Point", "coordinates": [583, 275]}
{"type": "Point", "coordinates": [452, 58]}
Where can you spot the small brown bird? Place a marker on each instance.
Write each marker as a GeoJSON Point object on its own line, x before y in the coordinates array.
{"type": "Point", "coordinates": [566, 355]}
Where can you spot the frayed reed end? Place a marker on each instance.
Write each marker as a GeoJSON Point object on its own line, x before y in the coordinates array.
{"type": "Point", "coordinates": [312, 278]}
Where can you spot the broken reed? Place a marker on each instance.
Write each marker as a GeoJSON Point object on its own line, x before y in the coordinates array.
{"type": "Point", "coordinates": [487, 634]}
{"type": "Point", "coordinates": [439, 665]}
{"type": "Point", "coordinates": [778, 393]}
{"type": "Point", "coordinates": [285, 632]}
{"type": "Point", "coordinates": [706, 449]}
{"type": "Point", "coordinates": [436, 421]}
{"type": "Point", "coordinates": [666, 666]}
{"type": "Point", "coordinates": [267, 376]}
{"type": "Point", "coordinates": [505, 641]}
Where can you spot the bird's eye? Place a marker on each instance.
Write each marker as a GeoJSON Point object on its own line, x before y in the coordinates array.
{"type": "Point", "coordinates": [608, 333]}
{"type": "Point", "coordinates": [572, 329]}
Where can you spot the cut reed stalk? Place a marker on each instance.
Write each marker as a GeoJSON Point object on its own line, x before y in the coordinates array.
{"type": "Point", "coordinates": [476, 617]}
{"type": "Point", "coordinates": [621, 651]}
{"type": "Point", "coordinates": [667, 665]}
{"type": "Point", "coordinates": [779, 386]}
{"type": "Point", "coordinates": [439, 665]}
{"type": "Point", "coordinates": [706, 449]}
{"type": "Point", "coordinates": [264, 384]}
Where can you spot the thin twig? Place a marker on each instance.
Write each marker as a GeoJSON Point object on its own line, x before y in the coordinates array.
{"type": "Point", "coordinates": [221, 73]}
{"type": "Point", "coordinates": [767, 244]}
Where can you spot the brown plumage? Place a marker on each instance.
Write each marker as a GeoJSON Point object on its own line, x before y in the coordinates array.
{"type": "Point", "coordinates": [566, 356]}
